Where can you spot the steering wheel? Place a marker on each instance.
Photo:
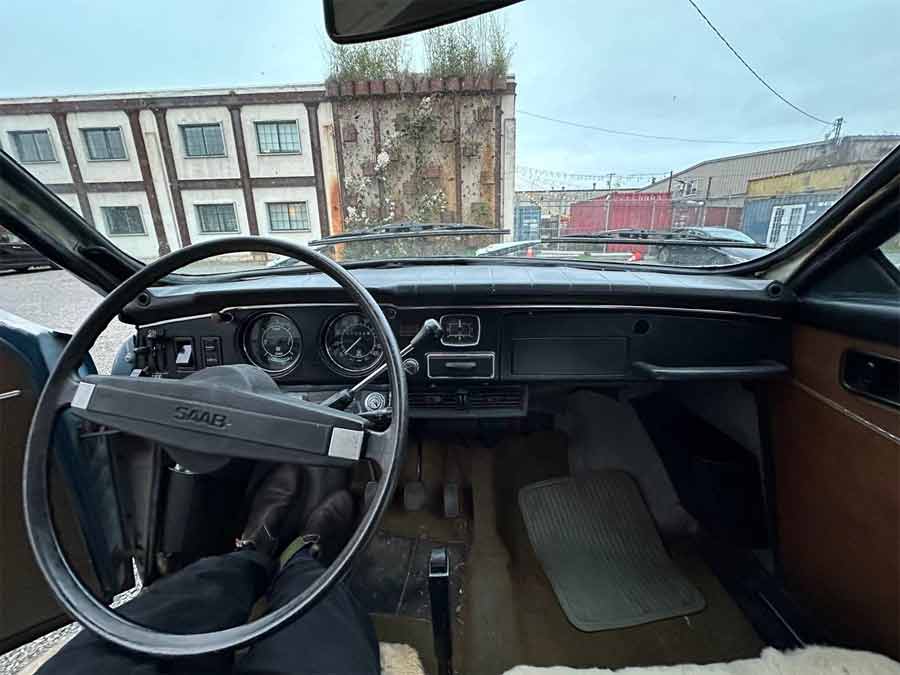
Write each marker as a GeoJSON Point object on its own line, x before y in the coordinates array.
{"type": "Point", "coordinates": [213, 419]}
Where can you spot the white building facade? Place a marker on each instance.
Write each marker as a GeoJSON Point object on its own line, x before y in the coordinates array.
{"type": "Point", "coordinates": [157, 171]}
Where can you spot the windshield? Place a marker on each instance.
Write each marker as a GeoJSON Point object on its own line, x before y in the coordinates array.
{"type": "Point", "coordinates": [691, 122]}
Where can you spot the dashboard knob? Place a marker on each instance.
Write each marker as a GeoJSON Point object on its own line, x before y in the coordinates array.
{"type": "Point", "coordinates": [374, 401]}
{"type": "Point", "coordinates": [411, 366]}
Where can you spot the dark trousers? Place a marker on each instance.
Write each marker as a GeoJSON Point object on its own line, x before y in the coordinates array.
{"type": "Point", "coordinates": [335, 636]}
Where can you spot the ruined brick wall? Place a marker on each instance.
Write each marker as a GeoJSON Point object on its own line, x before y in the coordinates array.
{"type": "Point", "coordinates": [426, 150]}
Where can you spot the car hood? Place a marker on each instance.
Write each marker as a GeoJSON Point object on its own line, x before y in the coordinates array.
{"type": "Point", "coordinates": [738, 254]}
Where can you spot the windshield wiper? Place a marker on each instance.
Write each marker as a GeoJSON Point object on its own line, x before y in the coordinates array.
{"type": "Point", "coordinates": [407, 231]}
{"type": "Point", "coordinates": [652, 237]}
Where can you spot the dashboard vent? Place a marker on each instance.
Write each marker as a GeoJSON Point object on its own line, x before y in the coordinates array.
{"type": "Point", "coordinates": [436, 400]}
{"type": "Point", "coordinates": [496, 397]}
{"type": "Point", "coordinates": [481, 398]}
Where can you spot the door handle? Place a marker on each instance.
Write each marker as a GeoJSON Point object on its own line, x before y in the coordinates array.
{"type": "Point", "coordinates": [872, 376]}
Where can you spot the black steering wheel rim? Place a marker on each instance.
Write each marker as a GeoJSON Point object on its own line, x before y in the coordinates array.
{"type": "Point", "coordinates": [64, 583]}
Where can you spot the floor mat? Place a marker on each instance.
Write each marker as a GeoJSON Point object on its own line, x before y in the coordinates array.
{"type": "Point", "coordinates": [599, 547]}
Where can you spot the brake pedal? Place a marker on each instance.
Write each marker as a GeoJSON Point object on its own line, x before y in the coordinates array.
{"type": "Point", "coordinates": [451, 500]}
{"type": "Point", "coordinates": [414, 496]}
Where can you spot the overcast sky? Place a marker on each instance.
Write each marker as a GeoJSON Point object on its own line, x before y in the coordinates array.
{"type": "Point", "coordinates": [648, 66]}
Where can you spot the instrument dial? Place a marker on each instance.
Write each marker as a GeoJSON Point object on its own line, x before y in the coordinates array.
{"type": "Point", "coordinates": [460, 330]}
{"type": "Point", "coordinates": [351, 344]}
{"type": "Point", "coordinates": [273, 342]}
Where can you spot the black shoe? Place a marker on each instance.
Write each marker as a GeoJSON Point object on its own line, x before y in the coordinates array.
{"type": "Point", "coordinates": [329, 526]}
{"type": "Point", "coordinates": [271, 503]}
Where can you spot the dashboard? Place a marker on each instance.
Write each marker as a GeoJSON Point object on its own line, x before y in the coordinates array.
{"type": "Point", "coordinates": [497, 342]}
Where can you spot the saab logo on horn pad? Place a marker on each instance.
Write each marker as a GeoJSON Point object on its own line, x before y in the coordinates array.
{"type": "Point", "coordinates": [200, 416]}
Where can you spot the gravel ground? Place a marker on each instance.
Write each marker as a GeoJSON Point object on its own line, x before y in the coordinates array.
{"type": "Point", "coordinates": [56, 299]}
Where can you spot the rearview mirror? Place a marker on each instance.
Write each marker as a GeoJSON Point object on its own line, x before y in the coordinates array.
{"type": "Point", "coordinates": [361, 20]}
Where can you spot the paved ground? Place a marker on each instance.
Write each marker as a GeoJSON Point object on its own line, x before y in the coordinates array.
{"type": "Point", "coordinates": [56, 299]}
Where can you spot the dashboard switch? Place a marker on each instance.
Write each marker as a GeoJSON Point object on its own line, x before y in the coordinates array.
{"type": "Point", "coordinates": [212, 351]}
{"type": "Point", "coordinates": [184, 353]}
{"type": "Point", "coordinates": [411, 366]}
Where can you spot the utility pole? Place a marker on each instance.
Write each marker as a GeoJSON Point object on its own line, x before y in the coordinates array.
{"type": "Point", "coordinates": [836, 129]}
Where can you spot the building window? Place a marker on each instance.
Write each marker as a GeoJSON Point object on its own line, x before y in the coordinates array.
{"type": "Point", "coordinates": [277, 138]}
{"type": "Point", "coordinates": [217, 218]}
{"type": "Point", "coordinates": [785, 224]}
{"type": "Point", "coordinates": [33, 146]}
{"type": "Point", "coordinates": [103, 144]}
{"type": "Point", "coordinates": [203, 140]}
{"type": "Point", "coordinates": [288, 217]}
{"type": "Point", "coordinates": [123, 220]}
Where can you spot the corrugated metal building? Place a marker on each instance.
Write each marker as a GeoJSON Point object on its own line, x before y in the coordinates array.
{"type": "Point", "coordinates": [723, 182]}
{"type": "Point", "coordinates": [779, 208]}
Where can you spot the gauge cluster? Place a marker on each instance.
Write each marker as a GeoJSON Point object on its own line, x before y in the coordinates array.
{"type": "Point", "coordinates": [309, 343]}
{"type": "Point", "coordinates": [320, 344]}
{"type": "Point", "coordinates": [316, 343]}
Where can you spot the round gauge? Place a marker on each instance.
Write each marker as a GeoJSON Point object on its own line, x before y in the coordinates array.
{"type": "Point", "coordinates": [273, 342]}
{"type": "Point", "coordinates": [351, 344]}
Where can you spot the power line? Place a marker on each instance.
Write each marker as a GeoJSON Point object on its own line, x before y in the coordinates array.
{"type": "Point", "coordinates": [609, 179]}
{"type": "Point", "coordinates": [635, 134]}
{"type": "Point", "coordinates": [755, 74]}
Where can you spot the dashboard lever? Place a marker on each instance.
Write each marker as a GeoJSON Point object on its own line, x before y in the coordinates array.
{"type": "Point", "coordinates": [342, 399]}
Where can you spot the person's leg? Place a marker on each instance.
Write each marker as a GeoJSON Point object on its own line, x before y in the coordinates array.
{"type": "Point", "coordinates": [210, 594]}
{"type": "Point", "coordinates": [336, 635]}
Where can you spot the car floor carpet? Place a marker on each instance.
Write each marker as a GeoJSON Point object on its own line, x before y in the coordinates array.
{"type": "Point", "coordinates": [511, 612]}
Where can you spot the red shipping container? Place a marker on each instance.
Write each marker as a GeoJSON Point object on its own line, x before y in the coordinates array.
{"type": "Point", "coordinates": [621, 211]}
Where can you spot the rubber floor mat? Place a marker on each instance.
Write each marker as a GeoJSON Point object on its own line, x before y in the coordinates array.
{"type": "Point", "coordinates": [600, 549]}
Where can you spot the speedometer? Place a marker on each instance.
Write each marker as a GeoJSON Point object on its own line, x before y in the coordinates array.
{"type": "Point", "coordinates": [273, 342]}
{"type": "Point", "coordinates": [351, 345]}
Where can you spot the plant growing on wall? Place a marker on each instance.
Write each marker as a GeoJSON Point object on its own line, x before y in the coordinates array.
{"type": "Point", "coordinates": [369, 60]}
{"type": "Point", "coordinates": [415, 134]}
{"type": "Point", "coordinates": [479, 47]}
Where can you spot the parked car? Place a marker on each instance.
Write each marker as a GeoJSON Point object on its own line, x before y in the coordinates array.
{"type": "Point", "coordinates": [677, 254]}
{"type": "Point", "coordinates": [16, 255]}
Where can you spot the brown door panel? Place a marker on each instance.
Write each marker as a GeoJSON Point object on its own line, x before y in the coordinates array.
{"type": "Point", "coordinates": [837, 460]}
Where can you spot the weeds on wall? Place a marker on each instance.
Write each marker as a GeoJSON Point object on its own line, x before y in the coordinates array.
{"type": "Point", "coordinates": [390, 58]}
{"type": "Point", "coordinates": [479, 47]}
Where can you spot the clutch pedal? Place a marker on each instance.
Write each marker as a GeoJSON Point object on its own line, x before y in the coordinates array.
{"type": "Point", "coordinates": [414, 491]}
